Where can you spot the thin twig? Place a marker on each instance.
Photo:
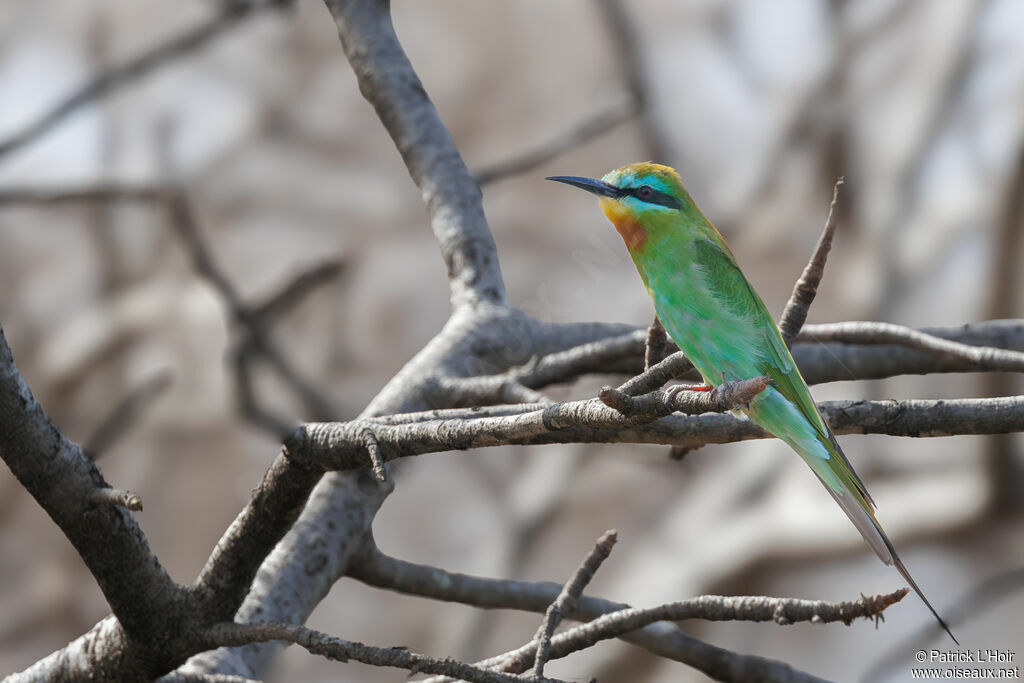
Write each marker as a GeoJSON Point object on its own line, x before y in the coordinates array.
{"type": "Point", "coordinates": [985, 358]}
{"type": "Point", "coordinates": [318, 643]}
{"type": "Point", "coordinates": [338, 446]}
{"type": "Point", "coordinates": [388, 81]}
{"type": "Point", "coordinates": [819, 362]}
{"type": "Point", "coordinates": [119, 497]}
{"type": "Point", "coordinates": [656, 345]}
{"type": "Point", "coordinates": [373, 451]}
{"type": "Point", "coordinates": [566, 600]}
{"type": "Point", "coordinates": [657, 375]}
{"type": "Point", "coordinates": [662, 638]}
{"type": "Point", "coordinates": [64, 482]}
{"type": "Point", "coordinates": [980, 598]}
{"type": "Point", "coordinates": [243, 356]}
{"type": "Point", "coordinates": [708, 607]}
{"type": "Point", "coordinates": [177, 677]}
{"type": "Point", "coordinates": [806, 288]}
{"type": "Point", "coordinates": [582, 132]}
{"type": "Point", "coordinates": [626, 42]}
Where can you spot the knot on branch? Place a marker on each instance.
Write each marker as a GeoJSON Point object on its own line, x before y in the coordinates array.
{"type": "Point", "coordinates": [369, 440]}
{"type": "Point", "coordinates": [117, 497]}
{"type": "Point", "coordinates": [337, 446]}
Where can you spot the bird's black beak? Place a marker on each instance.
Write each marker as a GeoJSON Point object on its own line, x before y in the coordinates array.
{"type": "Point", "coordinates": [598, 187]}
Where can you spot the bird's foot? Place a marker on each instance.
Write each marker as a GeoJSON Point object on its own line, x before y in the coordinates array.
{"type": "Point", "coordinates": [671, 392]}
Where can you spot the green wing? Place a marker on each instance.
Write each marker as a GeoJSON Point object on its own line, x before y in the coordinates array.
{"type": "Point", "coordinates": [735, 294]}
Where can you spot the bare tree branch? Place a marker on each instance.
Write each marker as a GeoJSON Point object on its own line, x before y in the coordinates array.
{"type": "Point", "coordinates": [831, 362]}
{"type": "Point", "coordinates": [257, 339]}
{"type": "Point", "coordinates": [875, 353]}
{"type": "Point", "coordinates": [104, 192]}
{"type": "Point", "coordinates": [627, 44]}
{"type": "Point", "coordinates": [270, 513]}
{"type": "Point", "coordinates": [388, 82]}
{"type": "Point", "coordinates": [662, 638]}
{"type": "Point", "coordinates": [806, 287]}
{"type": "Point", "coordinates": [657, 375]}
{"type": "Point", "coordinates": [230, 634]}
{"type": "Point", "coordinates": [566, 600]}
{"type": "Point", "coordinates": [657, 346]}
{"type": "Point", "coordinates": [65, 484]}
{"type": "Point", "coordinates": [487, 351]}
{"type": "Point", "coordinates": [231, 13]}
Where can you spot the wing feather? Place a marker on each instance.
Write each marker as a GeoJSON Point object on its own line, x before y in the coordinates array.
{"type": "Point", "coordinates": [738, 297]}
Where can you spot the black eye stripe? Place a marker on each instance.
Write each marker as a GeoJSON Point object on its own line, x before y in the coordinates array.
{"type": "Point", "coordinates": [653, 196]}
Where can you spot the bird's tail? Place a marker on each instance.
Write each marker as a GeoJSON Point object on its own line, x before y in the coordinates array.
{"type": "Point", "coordinates": [858, 506]}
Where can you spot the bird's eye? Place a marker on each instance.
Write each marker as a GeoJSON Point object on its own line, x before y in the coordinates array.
{"type": "Point", "coordinates": [644, 192]}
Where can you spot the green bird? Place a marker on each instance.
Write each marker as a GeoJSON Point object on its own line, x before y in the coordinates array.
{"type": "Point", "coordinates": [713, 314]}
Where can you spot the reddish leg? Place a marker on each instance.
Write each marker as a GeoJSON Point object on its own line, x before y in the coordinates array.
{"type": "Point", "coordinates": [671, 392]}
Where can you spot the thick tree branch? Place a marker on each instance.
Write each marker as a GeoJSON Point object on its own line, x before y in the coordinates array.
{"type": "Point", "coordinates": [256, 336]}
{"type": "Point", "coordinates": [300, 286]}
{"type": "Point", "coordinates": [869, 355]}
{"type": "Point", "coordinates": [270, 513]}
{"type": "Point", "coordinates": [984, 596]}
{"type": "Point", "coordinates": [983, 358]}
{"type": "Point", "coordinates": [662, 638]}
{"type": "Point", "coordinates": [627, 44]}
{"type": "Point", "coordinates": [68, 487]}
{"type": "Point", "coordinates": [657, 345]}
{"type": "Point", "coordinates": [388, 81]}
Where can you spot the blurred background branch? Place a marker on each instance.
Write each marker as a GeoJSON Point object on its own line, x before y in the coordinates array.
{"type": "Point", "coordinates": [917, 106]}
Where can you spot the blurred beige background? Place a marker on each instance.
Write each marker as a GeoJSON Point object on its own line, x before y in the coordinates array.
{"type": "Point", "coordinates": [762, 105]}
